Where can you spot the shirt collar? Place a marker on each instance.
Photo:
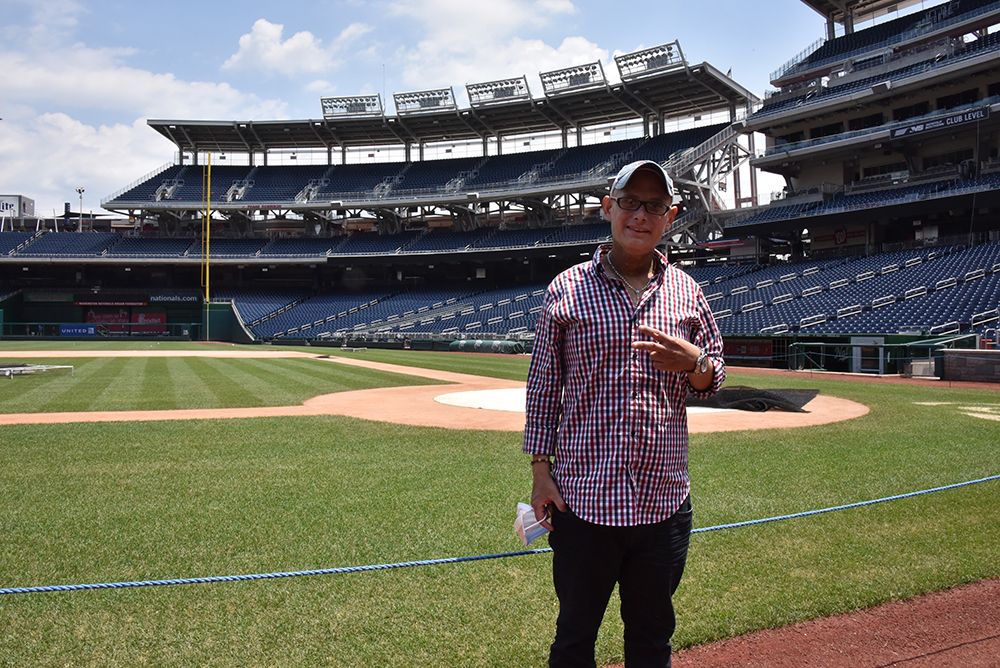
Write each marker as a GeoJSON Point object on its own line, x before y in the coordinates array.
{"type": "Point", "coordinates": [659, 262]}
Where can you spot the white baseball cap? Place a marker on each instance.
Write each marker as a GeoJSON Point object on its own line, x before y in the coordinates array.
{"type": "Point", "coordinates": [628, 170]}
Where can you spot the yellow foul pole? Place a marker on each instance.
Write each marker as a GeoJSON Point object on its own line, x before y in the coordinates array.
{"type": "Point", "coordinates": [206, 237]}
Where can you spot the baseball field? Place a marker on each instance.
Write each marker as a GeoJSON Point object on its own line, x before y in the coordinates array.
{"type": "Point", "coordinates": [133, 500]}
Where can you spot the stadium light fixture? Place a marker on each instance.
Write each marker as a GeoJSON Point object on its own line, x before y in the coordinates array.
{"type": "Point", "coordinates": [579, 77]}
{"type": "Point", "coordinates": [504, 90]}
{"type": "Point", "coordinates": [657, 59]}
{"type": "Point", "coordinates": [79, 191]}
{"type": "Point", "coordinates": [439, 99]}
{"type": "Point", "coordinates": [356, 105]}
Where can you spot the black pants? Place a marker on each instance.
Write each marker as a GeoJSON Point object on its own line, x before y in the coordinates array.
{"type": "Point", "coordinates": [646, 561]}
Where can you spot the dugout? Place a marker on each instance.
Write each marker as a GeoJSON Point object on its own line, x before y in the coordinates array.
{"type": "Point", "coordinates": [908, 355]}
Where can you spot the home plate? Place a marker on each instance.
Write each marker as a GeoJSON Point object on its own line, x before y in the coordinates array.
{"type": "Point", "coordinates": [514, 399]}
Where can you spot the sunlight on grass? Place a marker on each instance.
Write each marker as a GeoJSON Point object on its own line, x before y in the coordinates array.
{"type": "Point", "coordinates": [120, 501]}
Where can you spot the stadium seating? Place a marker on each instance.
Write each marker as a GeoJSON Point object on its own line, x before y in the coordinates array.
{"type": "Point", "coordinates": [891, 33]}
{"type": "Point", "coordinates": [373, 243]}
{"type": "Point", "coordinates": [888, 196]}
{"type": "Point", "coordinates": [70, 244]}
{"type": "Point", "coordinates": [507, 169]}
{"type": "Point", "coordinates": [907, 290]}
{"type": "Point", "coordinates": [516, 238]}
{"type": "Point", "coordinates": [11, 241]}
{"type": "Point", "coordinates": [152, 247]}
{"type": "Point", "coordinates": [441, 240]}
{"type": "Point", "coordinates": [286, 183]}
{"type": "Point", "coordinates": [301, 247]}
{"type": "Point", "coordinates": [282, 183]}
{"type": "Point", "coordinates": [574, 234]}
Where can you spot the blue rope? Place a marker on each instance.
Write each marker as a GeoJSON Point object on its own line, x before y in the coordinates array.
{"type": "Point", "coordinates": [448, 560]}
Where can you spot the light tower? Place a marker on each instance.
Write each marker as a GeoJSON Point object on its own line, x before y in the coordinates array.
{"type": "Point", "coordinates": [79, 191]}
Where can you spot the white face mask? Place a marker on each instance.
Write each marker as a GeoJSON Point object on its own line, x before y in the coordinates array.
{"type": "Point", "coordinates": [527, 526]}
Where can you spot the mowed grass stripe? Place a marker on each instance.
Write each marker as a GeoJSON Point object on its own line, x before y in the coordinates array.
{"type": "Point", "coordinates": [254, 384]}
{"type": "Point", "coordinates": [56, 391]}
{"type": "Point", "coordinates": [298, 376]}
{"type": "Point", "coordinates": [187, 387]}
{"type": "Point", "coordinates": [336, 377]}
{"type": "Point", "coordinates": [123, 392]}
{"type": "Point", "coordinates": [139, 383]}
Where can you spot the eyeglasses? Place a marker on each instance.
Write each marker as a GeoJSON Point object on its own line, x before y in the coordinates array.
{"type": "Point", "coordinates": [633, 204]}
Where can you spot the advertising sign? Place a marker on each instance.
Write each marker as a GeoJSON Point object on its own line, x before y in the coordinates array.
{"type": "Point", "coordinates": [114, 321]}
{"type": "Point", "coordinates": [970, 116]}
{"type": "Point", "coordinates": [77, 330]}
{"type": "Point", "coordinates": [149, 323]}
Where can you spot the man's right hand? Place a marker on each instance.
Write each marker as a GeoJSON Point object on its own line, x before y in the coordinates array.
{"type": "Point", "coordinates": [544, 494]}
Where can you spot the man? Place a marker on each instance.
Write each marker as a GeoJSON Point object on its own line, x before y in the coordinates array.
{"type": "Point", "coordinates": [620, 342]}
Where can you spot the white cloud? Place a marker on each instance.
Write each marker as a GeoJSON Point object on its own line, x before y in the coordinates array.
{"type": "Point", "coordinates": [96, 78]}
{"type": "Point", "coordinates": [460, 50]}
{"type": "Point", "coordinates": [464, 21]}
{"type": "Point", "coordinates": [47, 156]}
{"type": "Point", "coordinates": [322, 87]}
{"type": "Point", "coordinates": [264, 50]}
{"type": "Point", "coordinates": [48, 143]}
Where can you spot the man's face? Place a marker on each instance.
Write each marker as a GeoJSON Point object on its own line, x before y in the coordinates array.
{"type": "Point", "coordinates": [638, 232]}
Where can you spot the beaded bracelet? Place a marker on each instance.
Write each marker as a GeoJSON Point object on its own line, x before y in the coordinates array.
{"type": "Point", "coordinates": [542, 460]}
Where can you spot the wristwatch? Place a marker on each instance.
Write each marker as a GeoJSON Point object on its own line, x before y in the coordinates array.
{"type": "Point", "coordinates": [701, 365]}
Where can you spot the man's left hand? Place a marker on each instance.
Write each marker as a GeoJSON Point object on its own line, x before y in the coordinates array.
{"type": "Point", "coordinates": [668, 353]}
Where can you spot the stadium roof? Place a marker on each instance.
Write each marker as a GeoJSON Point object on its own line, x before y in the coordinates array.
{"type": "Point", "coordinates": [653, 85]}
{"type": "Point", "coordinates": [862, 10]}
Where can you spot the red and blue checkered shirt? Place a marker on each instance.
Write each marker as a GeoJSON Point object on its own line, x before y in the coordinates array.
{"type": "Point", "coordinates": [616, 426]}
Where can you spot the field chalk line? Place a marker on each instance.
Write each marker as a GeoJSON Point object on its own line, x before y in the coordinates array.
{"type": "Point", "coordinates": [451, 560]}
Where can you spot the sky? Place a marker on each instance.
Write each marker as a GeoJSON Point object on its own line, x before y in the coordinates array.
{"type": "Point", "coordinates": [79, 78]}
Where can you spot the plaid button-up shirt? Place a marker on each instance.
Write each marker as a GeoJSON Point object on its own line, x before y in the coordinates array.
{"type": "Point", "coordinates": [616, 426]}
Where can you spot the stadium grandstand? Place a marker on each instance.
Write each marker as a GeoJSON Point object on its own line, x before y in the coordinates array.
{"type": "Point", "coordinates": [446, 220]}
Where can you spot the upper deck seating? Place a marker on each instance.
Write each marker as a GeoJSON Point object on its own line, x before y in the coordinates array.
{"type": "Point", "coordinates": [146, 190]}
{"type": "Point", "coordinates": [281, 183]}
{"type": "Point", "coordinates": [434, 174]}
{"type": "Point", "coordinates": [373, 243]}
{"type": "Point", "coordinates": [443, 240]}
{"type": "Point", "coordinates": [358, 179]}
{"type": "Point", "coordinates": [516, 238]}
{"type": "Point", "coordinates": [152, 247]}
{"type": "Point", "coordinates": [71, 244]}
{"type": "Point", "coordinates": [506, 169]}
{"type": "Point", "coordinates": [10, 241]}
{"type": "Point", "coordinates": [301, 247]}
{"type": "Point", "coordinates": [582, 159]}
{"type": "Point", "coordinates": [896, 31]}
{"type": "Point", "coordinates": [572, 234]}
{"type": "Point", "coordinates": [662, 147]}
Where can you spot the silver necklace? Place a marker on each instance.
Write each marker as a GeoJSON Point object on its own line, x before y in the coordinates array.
{"type": "Point", "coordinates": [622, 278]}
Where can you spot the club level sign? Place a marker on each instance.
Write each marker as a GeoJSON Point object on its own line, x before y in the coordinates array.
{"type": "Point", "coordinates": [971, 116]}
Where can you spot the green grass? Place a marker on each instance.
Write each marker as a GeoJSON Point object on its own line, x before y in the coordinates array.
{"type": "Point", "coordinates": [508, 367]}
{"type": "Point", "coordinates": [118, 501]}
{"type": "Point", "coordinates": [170, 383]}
